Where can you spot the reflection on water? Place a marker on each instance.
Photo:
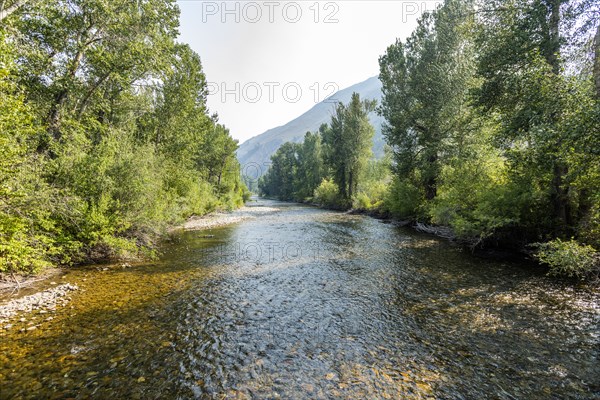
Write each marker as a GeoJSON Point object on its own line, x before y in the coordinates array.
{"type": "Point", "coordinates": [306, 303]}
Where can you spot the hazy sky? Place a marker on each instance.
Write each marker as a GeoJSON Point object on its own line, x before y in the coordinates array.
{"type": "Point", "coordinates": [269, 61]}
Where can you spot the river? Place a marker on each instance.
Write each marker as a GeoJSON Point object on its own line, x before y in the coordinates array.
{"type": "Point", "coordinates": [307, 303]}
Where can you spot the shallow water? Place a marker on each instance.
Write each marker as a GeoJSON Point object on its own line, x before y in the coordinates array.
{"type": "Point", "coordinates": [307, 303]}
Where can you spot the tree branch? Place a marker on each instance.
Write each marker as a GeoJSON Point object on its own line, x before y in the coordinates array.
{"type": "Point", "coordinates": [5, 12]}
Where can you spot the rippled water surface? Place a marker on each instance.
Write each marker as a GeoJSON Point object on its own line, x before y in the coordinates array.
{"type": "Point", "coordinates": [307, 303]}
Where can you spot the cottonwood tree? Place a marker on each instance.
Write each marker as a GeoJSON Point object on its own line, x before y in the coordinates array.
{"type": "Point", "coordinates": [425, 84]}
{"type": "Point", "coordinates": [347, 144]}
{"type": "Point", "coordinates": [522, 58]}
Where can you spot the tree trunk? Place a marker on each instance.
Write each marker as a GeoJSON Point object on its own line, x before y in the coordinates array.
{"type": "Point", "coordinates": [553, 46]}
{"type": "Point", "coordinates": [584, 206]}
{"type": "Point", "coordinates": [431, 182]}
{"type": "Point", "coordinates": [597, 62]}
{"type": "Point", "coordinates": [342, 184]}
{"type": "Point", "coordinates": [350, 185]}
{"type": "Point", "coordinates": [90, 92]}
{"type": "Point", "coordinates": [54, 115]}
{"type": "Point", "coordinates": [560, 198]}
{"type": "Point", "coordinates": [5, 12]}
{"type": "Point", "coordinates": [560, 189]}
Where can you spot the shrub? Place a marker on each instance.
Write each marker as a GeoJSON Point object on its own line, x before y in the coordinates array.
{"type": "Point", "coordinates": [361, 202]}
{"type": "Point", "coordinates": [568, 258]}
{"type": "Point", "coordinates": [371, 196]}
{"type": "Point", "coordinates": [475, 197]}
{"type": "Point", "coordinates": [326, 194]}
{"type": "Point", "coordinates": [402, 199]}
{"type": "Point", "coordinates": [24, 243]}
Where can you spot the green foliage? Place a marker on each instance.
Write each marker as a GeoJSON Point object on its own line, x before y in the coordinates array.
{"type": "Point", "coordinates": [105, 137]}
{"type": "Point", "coordinates": [347, 145]}
{"type": "Point", "coordinates": [524, 66]}
{"type": "Point", "coordinates": [370, 197]}
{"type": "Point", "coordinates": [569, 258]}
{"type": "Point", "coordinates": [373, 186]}
{"type": "Point", "coordinates": [340, 152]}
{"type": "Point", "coordinates": [402, 199]}
{"type": "Point", "coordinates": [23, 244]}
{"type": "Point", "coordinates": [282, 177]}
{"type": "Point", "coordinates": [310, 166]}
{"type": "Point", "coordinates": [475, 198]}
{"type": "Point", "coordinates": [493, 120]}
{"type": "Point", "coordinates": [425, 85]}
{"type": "Point", "coordinates": [327, 194]}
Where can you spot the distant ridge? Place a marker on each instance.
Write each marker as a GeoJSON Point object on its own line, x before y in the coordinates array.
{"type": "Point", "coordinates": [260, 148]}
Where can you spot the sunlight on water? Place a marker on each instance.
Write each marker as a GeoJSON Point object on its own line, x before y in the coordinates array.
{"type": "Point", "coordinates": [306, 303]}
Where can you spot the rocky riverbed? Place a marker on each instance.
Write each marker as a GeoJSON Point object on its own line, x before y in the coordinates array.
{"type": "Point", "coordinates": [227, 218]}
{"type": "Point", "coordinates": [42, 302]}
{"type": "Point", "coordinates": [48, 300]}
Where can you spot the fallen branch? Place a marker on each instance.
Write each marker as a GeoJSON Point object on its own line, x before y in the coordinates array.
{"type": "Point", "coordinates": [441, 231]}
{"type": "Point", "coordinates": [18, 287]}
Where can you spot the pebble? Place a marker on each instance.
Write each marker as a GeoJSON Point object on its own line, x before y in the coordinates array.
{"type": "Point", "coordinates": [43, 301]}
{"type": "Point", "coordinates": [221, 218]}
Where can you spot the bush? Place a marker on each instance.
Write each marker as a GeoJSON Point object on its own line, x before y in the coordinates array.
{"type": "Point", "coordinates": [568, 258]}
{"type": "Point", "coordinates": [402, 199]}
{"type": "Point", "coordinates": [326, 194]}
{"type": "Point", "coordinates": [361, 202]}
{"type": "Point", "coordinates": [24, 244]}
{"type": "Point", "coordinates": [371, 196]}
{"type": "Point", "coordinates": [475, 197]}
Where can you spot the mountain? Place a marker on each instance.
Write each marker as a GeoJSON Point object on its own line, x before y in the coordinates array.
{"type": "Point", "coordinates": [259, 149]}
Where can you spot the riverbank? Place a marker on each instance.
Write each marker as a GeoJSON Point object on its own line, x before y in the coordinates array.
{"type": "Point", "coordinates": [475, 247]}
{"type": "Point", "coordinates": [16, 286]}
{"type": "Point", "coordinates": [330, 305]}
{"type": "Point", "coordinates": [17, 282]}
{"type": "Point", "coordinates": [217, 219]}
{"type": "Point", "coordinates": [40, 303]}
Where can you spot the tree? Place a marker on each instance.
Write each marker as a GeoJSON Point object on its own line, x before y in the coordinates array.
{"type": "Point", "coordinates": [180, 121]}
{"type": "Point", "coordinates": [310, 166]}
{"type": "Point", "coordinates": [281, 179]}
{"type": "Point", "coordinates": [522, 62]}
{"type": "Point", "coordinates": [90, 51]}
{"type": "Point", "coordinates": [348, 141]}
{"type": "Point", "coordinates": [216, 151]}
{"type": "Point", "coordinates": [105, 135]}
{"type": "Point", "coordinates": [425, 86]}
{"type": "Point", "coordinates": [7, 10]}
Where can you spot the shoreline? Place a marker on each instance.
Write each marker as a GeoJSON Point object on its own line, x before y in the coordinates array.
{"type": "Point", "coordinates": [11, 293]}
{"type": "Point", "coordinates": [221, 218]}
{"type": "Point", "coordinates": [17, 286]}
{"type": "Point", "coordinates": [17, 282]}
{"type": "Point", "coordinates": [24, 296]}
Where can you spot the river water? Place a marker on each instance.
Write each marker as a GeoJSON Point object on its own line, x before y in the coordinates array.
{"type": "Point", "coordinates": [307, 303]}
